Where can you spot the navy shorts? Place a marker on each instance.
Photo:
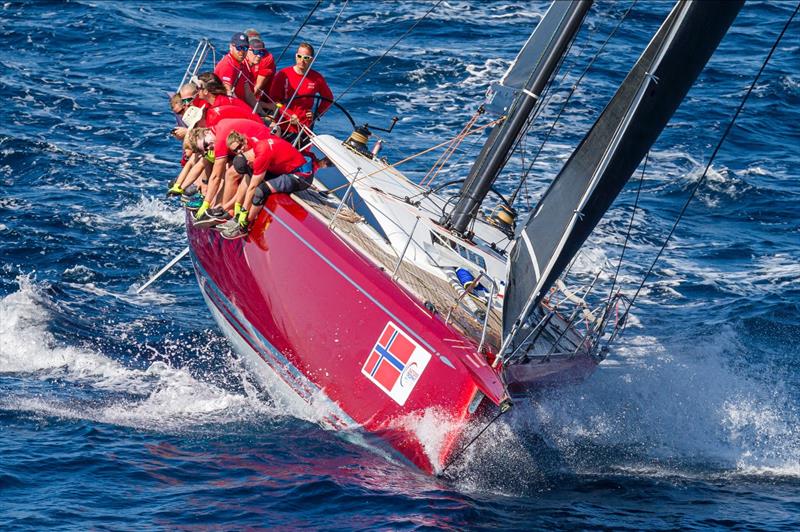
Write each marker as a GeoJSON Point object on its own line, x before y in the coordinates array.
{"type": "Point", "coordinates": [285, 183]}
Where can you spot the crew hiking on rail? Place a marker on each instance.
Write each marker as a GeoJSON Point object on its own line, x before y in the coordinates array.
{"type": "Point", "coordinates": [241, 128]}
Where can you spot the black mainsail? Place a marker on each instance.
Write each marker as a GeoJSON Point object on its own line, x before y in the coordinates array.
{"type": "Point", "coordinates": [524, 81]}
{"type": "Point", "coordinates": [606, 158]}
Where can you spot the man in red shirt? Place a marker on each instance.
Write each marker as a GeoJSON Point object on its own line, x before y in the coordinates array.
{"type": "Point", "coordinates": [262, 65]}
{"type": "Point", "coordinates": [234, 72]}
{"type": "Point", "coordinates": [273, 165]}
{"type": "Point", "coordinates": [301, 105]}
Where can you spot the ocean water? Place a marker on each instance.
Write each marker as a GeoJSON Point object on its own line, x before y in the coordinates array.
{"type": "Point", "coordinates": [120, 411]}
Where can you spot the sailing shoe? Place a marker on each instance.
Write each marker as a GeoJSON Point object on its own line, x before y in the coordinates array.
{"type": "Point", "coordinates": [195, 204]}
{"type": "Point", "coordinates": [237, 231]}
{"type": "Point", "coordinates": [205, 221]}
{"type": "Point", "coordinates": [189, 192]}
{"type": "Point", "coordinates": [229, 225]}
{"type": "Point", "coordinates": [219, 214]}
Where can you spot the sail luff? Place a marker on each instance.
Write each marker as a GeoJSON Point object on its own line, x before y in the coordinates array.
{"type": "Point", "coordinates": [609, 154]}
{"type": "Point", "coordinates": [550, 41]}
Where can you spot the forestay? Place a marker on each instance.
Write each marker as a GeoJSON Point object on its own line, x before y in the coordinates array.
{"type": "Point", "coordinates": [606, 158]}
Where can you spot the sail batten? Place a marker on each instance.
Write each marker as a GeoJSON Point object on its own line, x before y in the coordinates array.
{"type": "Point", "coordinates": [605, 159]}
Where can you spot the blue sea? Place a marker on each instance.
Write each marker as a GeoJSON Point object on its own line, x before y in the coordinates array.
{"type": "Point", "coordinates": [122, 411]}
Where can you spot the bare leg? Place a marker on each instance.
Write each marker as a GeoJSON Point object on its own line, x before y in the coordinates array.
{"type": "Point", "coordinates": [232, 179]}
{"type": "Point", "coordinates": [239, 196]}
{"type": "Point", "coordinates": [251, 190]}
{"type": "Point", "coordinates": [252, 213]}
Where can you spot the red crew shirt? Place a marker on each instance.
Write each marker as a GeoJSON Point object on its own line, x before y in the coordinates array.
{"type": "Point", "coordinates": [234, 73]}
{"type": "Point", "coordinates": [246, 127]}
{"type": "Point", "coordinates": [199, 102]}
{"type": "Point", "coordinates": [275, 156]}
{"type": "Point", "coordinates": [223, 112]}
{"type": "Point", "coordinates": [221, 100]}
{"type": "Point", "coordinates": [284, 86]}
{"type": "Point", "coordinates": [266, 68]}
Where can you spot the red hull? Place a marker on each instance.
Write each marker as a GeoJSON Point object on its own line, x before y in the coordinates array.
{"type": "Point", "coordinates": [313, 309]}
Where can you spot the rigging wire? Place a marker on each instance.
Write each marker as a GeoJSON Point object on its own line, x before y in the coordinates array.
{"type": "Point", "coordinates": [707, 168]}
{"type": "Point", "coordinates": [316, 55]}
{"type": "Point", "coordinates": [448, 152]}
{"type": "Point", "coordinates": [415, 155]}
{"type": "Point", "coordinates": [540, 104]}
{"type": "Point", "coordinates": [607, 311]}
{"type": "Point", "coordinates": [378, 60]}
{"type": "Point", "coordinates": [298, 31]}
{"type": "Point", "coordinates": [566, 101]}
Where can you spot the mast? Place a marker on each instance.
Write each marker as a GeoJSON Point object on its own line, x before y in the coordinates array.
{"type": "Point", "coordinates": [609, 154]}
{"type": "Point", "coordinates": [527, 76]}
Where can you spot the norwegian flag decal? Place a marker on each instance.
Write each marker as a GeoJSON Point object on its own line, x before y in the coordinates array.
{"type": "Point", "coordinates": [396, 363]}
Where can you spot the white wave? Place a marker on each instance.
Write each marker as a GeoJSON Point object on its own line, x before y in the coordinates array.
{"type": "Point", "coordinates": [683, 403]}
{"type": "Point", "coordinates": [148, 297]}
{"type": "Point", "coordinates": [480, 76]}
{"type": "Point", "coordinates": [167, 398]}
{"type": "Point", "coordinates": [79, 273]}
{"type": "Point", "coordinates": [764, 275]}
{"type": "Point", "coordinates": [151, 209]}
{"type": "Point", "coordinates": [651, 411]}
{"type": "Point", "coordinates": [432, 429]}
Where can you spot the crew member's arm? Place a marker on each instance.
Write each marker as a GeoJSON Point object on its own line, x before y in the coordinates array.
{"type": "Point", "coordinates": [256, 180]}
{"type": "Point", "coordinates": [326, 92]}
{"type": "Point", "coordinates": [194, 173]}
{"type": "Point", "coordinates": [266, 71]}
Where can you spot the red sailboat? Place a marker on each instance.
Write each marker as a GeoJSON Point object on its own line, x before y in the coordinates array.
{"type": "Point", "coordinates": [372, 306]}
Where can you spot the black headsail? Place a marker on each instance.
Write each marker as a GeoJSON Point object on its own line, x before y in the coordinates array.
{"type": "Point", "coordinates": [606, 158]}
{"type": "Point", "coordinates": [525, 79]}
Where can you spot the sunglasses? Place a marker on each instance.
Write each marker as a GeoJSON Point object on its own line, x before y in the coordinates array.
{"type": "Point", "coordinates": [187, 100]}
{"type": "Point", "coordinates": [259, 53]}
{"type": "Point", "coordinates": [237, 149]}
{"type": "Point", "coordinates": [201, 145]}
{"type": "Point", "coordinates": [243, 48]}
{"type": "Point", "coordinates": [305, 57]}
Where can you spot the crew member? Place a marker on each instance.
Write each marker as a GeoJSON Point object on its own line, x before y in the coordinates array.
{"type": "Point", "coordinates": [234, 71]}
{"type": "Point", "coordinates": [262, 65]}
{"type": "Point", "coordinates": [303, 107]}
{"type": "Point", "coordinates": [201, 140]}
{"type": "Point", "coordinates": [216, 95]}
{"type": "Point", "coordinates": [272, 165]}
